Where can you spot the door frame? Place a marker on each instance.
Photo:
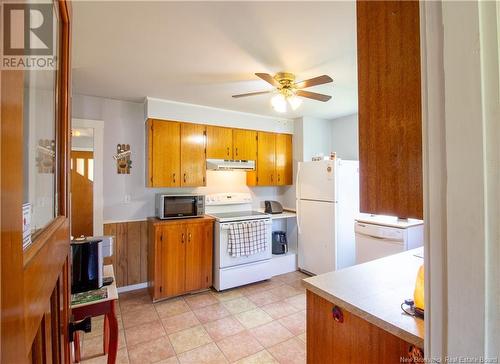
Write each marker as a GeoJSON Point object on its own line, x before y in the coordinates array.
{"type": "Point", "coordinates": [98, 195]}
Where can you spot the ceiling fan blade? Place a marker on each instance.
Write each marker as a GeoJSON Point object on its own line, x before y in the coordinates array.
{"type": "Point", "coordinates": [314, 81]}
{"type": "Point", "coordinates": [313, 95]}
{"type": "Point", "coordinates": [252, 94]}
{"type": "Point", "coordinates": [268, 78]}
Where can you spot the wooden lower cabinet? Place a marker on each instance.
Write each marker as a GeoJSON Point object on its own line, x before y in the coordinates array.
{"type": "Point", "coordinates": [180, 256]}
{"type": "Point", "coordinates": [352, 341]}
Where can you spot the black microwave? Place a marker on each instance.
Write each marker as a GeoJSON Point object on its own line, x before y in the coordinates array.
{"type": "Point", "coordinates": [179, 206]}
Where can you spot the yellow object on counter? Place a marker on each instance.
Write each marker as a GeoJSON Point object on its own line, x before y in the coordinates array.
{"type": "Point", "coordinates": [418, 295]}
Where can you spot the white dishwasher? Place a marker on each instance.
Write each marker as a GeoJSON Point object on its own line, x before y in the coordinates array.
{"type": "Point", "coordinates": [374, 241]}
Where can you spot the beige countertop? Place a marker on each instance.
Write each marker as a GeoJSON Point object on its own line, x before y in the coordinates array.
{"type": "Point", "coordinates": [375, 290]}
{"type": "Point", "coordinates": [391, 221]}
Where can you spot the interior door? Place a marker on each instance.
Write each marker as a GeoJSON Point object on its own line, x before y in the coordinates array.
{"type": "Point", "coordinates": [198, 253]}
{"type": "Point", "coordinates": [173, 259]}
{"type": "Point", "coordinates": [193, 155]}
{"type": "Point", "coordinates": [317, 236]}
{"type": "Point", "coordinates": [82, 193]}
{"type": "Point", "coordinates": [219, 142]}
{"type": "Point", "coordinates": [284, 160]}
{"type": "Point", "coordinates": [266, 159]}
{"type": "Point", "coordinates": [244, 144]}
{"type": "Point", "coordinates": [164, 153]}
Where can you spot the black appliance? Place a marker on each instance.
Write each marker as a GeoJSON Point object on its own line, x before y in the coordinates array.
{"type": "Point", "coordinates": [280, 244]}
{"type": "Point", "coordinates": [87, 265]}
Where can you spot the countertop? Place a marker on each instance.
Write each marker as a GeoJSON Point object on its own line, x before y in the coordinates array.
{"type": "Point", "coordinates": [375, 290]}
{"type": "Point", "coordinates": [286, 214]}
{"type": "Point", "coordinates": [391, 221]}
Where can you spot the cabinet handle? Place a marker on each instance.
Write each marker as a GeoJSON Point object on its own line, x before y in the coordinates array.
{"type": "Point", "coordinates": [173, 177]}
{"type": "Point", "coordinates": [228, 151]}
{"type": "Point", "coordinates": [272, 178]}
{"type": "Point", "coordinates": [184, 177]}
{"type": "Point", "coordinates": [236, 151]}
{"type": "Point", "coordinates": [337, 314]}
{"type": "Point", "coordinates": [182, 240]}
{"type": "Point", "coordinates": [279, 179]}
{"type": "Point", "coordinates": [189, 237]}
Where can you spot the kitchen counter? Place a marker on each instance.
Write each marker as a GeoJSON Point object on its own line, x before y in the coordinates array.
{"type": "Point", "coordinates": [374, 292]}
{"type": "Point", "coordinates": [391, 221]}
{"type": "Point", "coordinates": [286, 214]}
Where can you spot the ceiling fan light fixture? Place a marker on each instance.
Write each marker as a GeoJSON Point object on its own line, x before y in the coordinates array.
{"type": "Point", "coordinates": [278, 103]}
{"type": "Point", "coordinates": [295, 102]}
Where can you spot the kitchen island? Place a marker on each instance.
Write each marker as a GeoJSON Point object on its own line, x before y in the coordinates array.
{"type": "Point", "coordinates": [354, 314]}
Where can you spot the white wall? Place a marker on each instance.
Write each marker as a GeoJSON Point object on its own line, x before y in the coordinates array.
{"type": "Point", "coordinates": [124, 123]}
{"type": "Point", "coordinates": [316, 137]}
{"type": "Point", "coordinates": [344, 137]}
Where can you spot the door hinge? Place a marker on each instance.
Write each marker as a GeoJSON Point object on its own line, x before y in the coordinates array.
{"type": "Point", "coordinates": [257, 137]}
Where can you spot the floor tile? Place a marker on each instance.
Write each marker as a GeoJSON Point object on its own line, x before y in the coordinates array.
{"type": "Point", "coordinates": [206, 354]}
{"type": "Point", "coordinates": [239, 305]}
{"type": "Point", "coordinates": [151, 351]}
{"type": "Point", "coordinates": [134, 302]}
{"type": "Point", "coordinates": [200, 300]}
{"type": "Point", "coordinates": [144, 332]}
{"type": "Point", "coordinates": [285, 291]}
{"type": "Point", "coordinates": [94, 346]}
{"type": "Point", "coordinates": [298, 301]}
{"type": "Point", "coordinates": [189, 339]}
{"type": "Point", "coordinates": [298, 286]}
{"type": "Point", "coordinates": [171, 307]}
{"type": "Point", "coordinates": [121, 358]}
{"type": "Point", "coordinates": [291, 277]}
{"type": "Point", "coordinates": [296, 322]}
{"type": "Point", "coordinates": [253, 318]}
{"type": "Point", "coordinates": [222, 328]}
{"type": "Point", "coordinates": [302, 337]}
{"type": "Point", "coordinates": [227, 295]}
{"type": "Point", "coordinates": [289, 352]}
{"type": "Point", "coordinates": [239, 346]}
{"type": "Point", "coordinates": [271, 334]}
{"type": "Point", "coordinates": [262, 357]}
{"type": "Point", "coordinates": [211, 313]}
{"type": "Point", "coordinates": [180, 322]}
{"type": "Point", "coordinates": [139, 316]}
{"type": "Point", "coordinates": [171, 360]}
{"type": "Point", "coordinates": [279, 309]}
{"type": "Point", "coordinates": [263, 298]}
{"type": "Point", "coordinates": [97, 327]}
{"type": "Point", "coordinates": [260, 286]}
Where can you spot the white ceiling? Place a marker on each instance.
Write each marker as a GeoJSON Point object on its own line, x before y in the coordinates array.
{"type": "Point", "coordinates": [204, 52]}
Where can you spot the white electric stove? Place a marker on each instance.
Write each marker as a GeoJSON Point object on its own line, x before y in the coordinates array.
{"type": "Point", "coordinates": [229, 272]}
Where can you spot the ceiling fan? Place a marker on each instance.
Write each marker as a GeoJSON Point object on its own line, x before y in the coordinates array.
{"type": "Point", "coordinates": [286, 89]}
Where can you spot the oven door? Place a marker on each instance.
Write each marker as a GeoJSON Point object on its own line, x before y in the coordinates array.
{"type": "Point", "coordinates": [180, 206]}
{"type": "Point", "coordinates": [228, 261]}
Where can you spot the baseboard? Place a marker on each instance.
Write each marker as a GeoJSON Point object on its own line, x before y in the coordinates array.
{"type": "Point", "coordinates": [132, 287]}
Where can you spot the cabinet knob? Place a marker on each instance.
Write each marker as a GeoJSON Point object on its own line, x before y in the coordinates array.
{"type": "Point", "coordinates": [184, 177]}
{"type": "Point", "coordinates": [228, 151]}
{"type": "Point", "coordinates": [236, 151]}
{"type": "Point", "coordinates": [173, 177]}
{"type": "Point", "coordinates": [272, 178]}
{"type": "Point", "coordinates": [189, 237]}
{"type": "Point", "coordinates": [182, 239]}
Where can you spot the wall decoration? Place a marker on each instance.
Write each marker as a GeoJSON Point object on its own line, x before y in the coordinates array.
{"type": "Point", "coordinates": [46, 156]}
{"type": "Point", "coordinates": [122, 157]}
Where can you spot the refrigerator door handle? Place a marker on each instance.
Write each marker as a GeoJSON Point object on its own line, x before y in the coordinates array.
{"type": "Point", "coordinates": [297, 197]}
{"type": "Point", "coordinates": [297, 214]}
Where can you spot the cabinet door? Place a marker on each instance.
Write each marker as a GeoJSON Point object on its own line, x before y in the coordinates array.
{"type": "Point", "coordinates": [173, 260]}
{"type": "Point", "coordinates": [193, 156]}
{"type": "Point", "coordinates": [244, 144]}
{"type": "Point", "coordinates": [219, 142]}
{"type": "Point", "coordinates": [266, 159]}
{"type": "Point", "coordinates": [163, 153]}
{"type": "Point", "coordinates": [390, 126]}
{"type": "Point", "coordinates": [284, 160]}
{"type": "Point", "coordinates": [199, 245]}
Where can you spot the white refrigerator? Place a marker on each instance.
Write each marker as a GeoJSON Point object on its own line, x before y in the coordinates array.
{"type": "Point", "coordinates": [327, 204]}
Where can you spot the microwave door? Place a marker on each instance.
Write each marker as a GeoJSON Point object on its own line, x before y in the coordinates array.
{"type": "Point", "coordinates": [179, 206]}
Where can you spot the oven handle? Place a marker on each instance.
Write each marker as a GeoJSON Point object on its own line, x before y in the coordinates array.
{"type": "Point", "coordinates": [226, 225]}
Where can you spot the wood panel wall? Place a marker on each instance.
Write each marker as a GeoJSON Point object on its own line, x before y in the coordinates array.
{"type": "Point", "coordinates": [130, 254]}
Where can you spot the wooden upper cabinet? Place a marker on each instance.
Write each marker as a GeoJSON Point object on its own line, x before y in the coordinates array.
{"type": "Point", "coordinates": [244, 144]}
{"type": "Point", "coordinates": [266, 159]}
{"type": "Point", "coordinates": [284, 160]}
{"type": "Point", "coordinates": [163, 153]}
{"type": "Point", "coordinates": [389, 97]}
{"type": "Point", "coordinates": [193, 155]}
{"type": "Point", "coordinates": [219, 142]}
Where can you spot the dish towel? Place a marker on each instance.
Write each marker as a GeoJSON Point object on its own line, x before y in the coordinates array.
{"type": "Point", "coordinates": [247, 238]}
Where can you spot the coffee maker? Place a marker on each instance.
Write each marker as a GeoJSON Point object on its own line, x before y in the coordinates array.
{"type": "Point", "coordinates": [280, 244]}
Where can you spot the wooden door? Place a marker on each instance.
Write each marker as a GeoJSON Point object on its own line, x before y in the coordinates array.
{"type": "Point", "coordinates": [173, 259]}
{"type": "Point", "coordinates": [284, 160]}
{"type": "Point", "coordinates": [244, 144]}
{"type": "Point", "coordinates": [219, 142]}
{"type": "Point", "coordinates": [390, 125]}
{"type": "Point", "coordinates": [164, 162]}
{"type": "Point", "coordinates": [266, 159]}
{"type": "Point", "coordinates": [199, 255]}
{"type": "Point", "coordinates": [193, 155]}
{"type": "Point", "coordinates": [82, 193]}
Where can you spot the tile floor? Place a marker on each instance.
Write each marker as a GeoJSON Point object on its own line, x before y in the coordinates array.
{"type": "Point", "coordinates": [259, 323]}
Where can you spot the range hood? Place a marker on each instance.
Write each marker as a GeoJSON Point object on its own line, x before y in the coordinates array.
{"type": "Point", "coordinates": [230, 165]}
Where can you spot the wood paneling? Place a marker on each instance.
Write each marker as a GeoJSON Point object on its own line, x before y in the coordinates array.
{"type": "Point", "coordinates": [284, 160]}
{"type": "Point", "coordinates": [219, 142]}
{"type": "Point", "coordinates": [352, 341]}
{"type": "Point", "coordinates": [390, 131]}
{"type": "Point", "coordinates": [244, 144]}
{"type": "Point", "coordinates": [266, 159]}
{"type": "Point", "coordinates": [82, 195]}
{"type": "Point", "coordinates": [164, 153]}
{"type": "Point", "coordinates": [193, 156]}
{"type": "Point", "coordinates": [130, 251]}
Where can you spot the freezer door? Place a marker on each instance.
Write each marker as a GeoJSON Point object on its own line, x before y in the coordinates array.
{"type": "Point", "coordinates": [316, 181]}
{"type": "Point", "coordinates": [316, 238]}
